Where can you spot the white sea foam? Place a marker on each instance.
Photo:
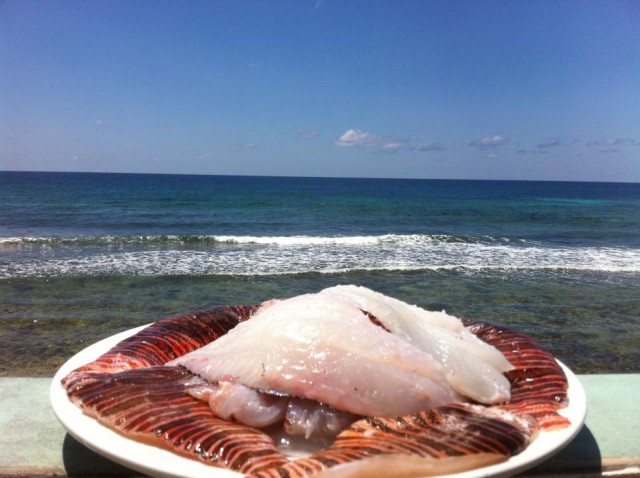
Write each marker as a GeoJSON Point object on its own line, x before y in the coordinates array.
{"type": "Point", "coordinates": [297, 240]}
{"type": "Point", "coordinates": [301, 254]}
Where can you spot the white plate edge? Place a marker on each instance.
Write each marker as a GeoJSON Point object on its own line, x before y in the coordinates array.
{"type": "Point", "coordinates": [94, 435]}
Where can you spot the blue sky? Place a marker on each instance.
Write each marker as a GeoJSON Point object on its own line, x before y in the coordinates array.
{"type": "Point", "coordinates": [544, 90]}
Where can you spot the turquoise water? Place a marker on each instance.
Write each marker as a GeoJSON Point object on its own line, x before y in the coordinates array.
{"type": "Point", "coordinates": [83, 256]}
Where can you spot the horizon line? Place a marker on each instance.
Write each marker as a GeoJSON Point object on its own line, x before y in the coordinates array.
{"type": "Point", "coordinates": [317, 177]}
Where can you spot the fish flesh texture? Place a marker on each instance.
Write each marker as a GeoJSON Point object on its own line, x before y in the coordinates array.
{"type": "Point", "coordinates": [301, 417]}
{"type": "Point", "coordinates": [131, 390]}
{"type": "Point", "coordinates": [471, 367]}
{"type": "Point", "coordinates": [325, 348]}
{"type": "Point", "coordinates": [320, 349]}
{"type": "Point", "coordinates": [234, 401]}
{"type": "Point", "coordinates": [308, 418]}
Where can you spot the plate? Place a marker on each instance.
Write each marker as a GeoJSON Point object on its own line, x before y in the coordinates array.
{"type": "Point", "coordinates": [158, 462]}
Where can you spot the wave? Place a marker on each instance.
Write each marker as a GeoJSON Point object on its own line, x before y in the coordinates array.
{"type": "Point", "coordinates": [283, 255]}
{"type": "Point", "coordinates": [208, 241]}
{"type": "Point", "coordinates": [212, 240]}
{"type": "Point", "coordinates": [108, 240]}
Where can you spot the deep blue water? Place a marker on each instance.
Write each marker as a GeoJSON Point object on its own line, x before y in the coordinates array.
{"type": "Point", "coordinates": [86, 224]}
{"type": "Point", "coordinates": [560, 260]}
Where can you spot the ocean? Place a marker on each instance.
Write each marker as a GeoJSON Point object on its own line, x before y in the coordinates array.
{"type": "Point", "coordinates": [83, 256]}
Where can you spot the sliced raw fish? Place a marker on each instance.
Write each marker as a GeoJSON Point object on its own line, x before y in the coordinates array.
{"type": "Point", "coordinates": [316, 348]}
{"type": "Point", "coordinates": [301, 417]}
{"type": "Point", "coordinates": [472, 367]}
{"type": "Point", "coordinates": [124, 391]}
{"type": "Point", "coordinates": [409, 319]}
{"type": "Point", "coordinates": [309, 418]}
{"type": "Point", "coordinates": [237, 402]}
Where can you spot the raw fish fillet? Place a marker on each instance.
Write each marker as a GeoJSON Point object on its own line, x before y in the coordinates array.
{"type": "Point", "coordinates": [472, 367]}
{"type": "Point", "coordinates": [126, 390]}
{"type": "Point", "coordinates": [236, 402]}
{"type": "Point", "coordinates": [312, 347]}
{"type": "Point", "coordinates": [301, 417]}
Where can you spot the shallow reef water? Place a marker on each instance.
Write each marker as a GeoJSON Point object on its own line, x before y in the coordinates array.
{"type": "Point", "coordinates": [591, 322]}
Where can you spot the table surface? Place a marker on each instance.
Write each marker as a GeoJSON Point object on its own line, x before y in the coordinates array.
{"type": "Point", "coordinates": [33, 443]}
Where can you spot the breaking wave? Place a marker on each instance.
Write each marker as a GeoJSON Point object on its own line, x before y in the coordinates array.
{"type": "Point", "coordinates": [283, 255]}
{"type": "Point", "coordinates": [209, 240]}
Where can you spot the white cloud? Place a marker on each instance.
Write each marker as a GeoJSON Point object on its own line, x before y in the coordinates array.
{"type": "Point", "coordinates": [532, 151]}
{"type": "Point", "coordinates": [391, 145]}
{"type": "Point", "coordinates": [489, 142]}
{"type": "Point", "coordinates": [357, 137]}
{"type": "Point", "coordinates": [613, 144]}
{"type": "Point", "coordinates": [429, 146]}
{"type": "Point", "coordinates": [609, 142]}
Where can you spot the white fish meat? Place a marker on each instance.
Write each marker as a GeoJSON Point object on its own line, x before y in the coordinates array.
{"type": "Point", "coordinates": [472, 367]}
{"type": "Point", "coordinates": [307, 418]}
{"type": "Point", "coordinates": [234, 401]}
{"type": "Point", "coordinates": [131, 390]}
{"type": "Point", "coordinates": [313, 347]}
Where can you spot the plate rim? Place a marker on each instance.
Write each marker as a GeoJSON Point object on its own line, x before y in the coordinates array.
{"type": "Point", "coordinates": [159, 462]}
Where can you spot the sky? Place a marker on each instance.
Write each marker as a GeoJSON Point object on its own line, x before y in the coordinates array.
{"type": "Point", "coordinates": [525, 90]}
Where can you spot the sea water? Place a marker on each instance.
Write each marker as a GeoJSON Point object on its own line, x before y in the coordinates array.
{"type": "Point", "coordinates": [83, 256]}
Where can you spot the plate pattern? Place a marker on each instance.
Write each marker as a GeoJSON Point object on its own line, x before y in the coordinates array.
{"type": "Point", "coordinates": [542, 388]}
